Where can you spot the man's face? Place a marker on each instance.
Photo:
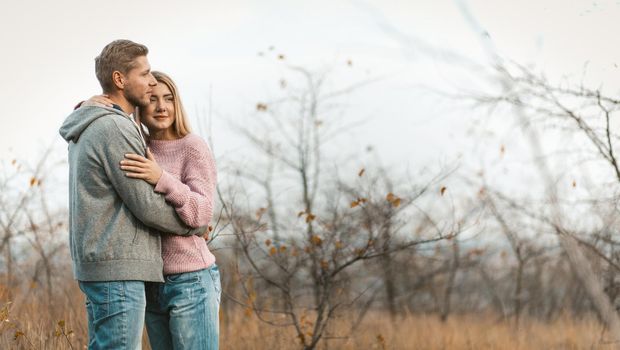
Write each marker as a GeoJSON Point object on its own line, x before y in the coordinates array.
{"type": "Point", "coordinates": [139, 83]}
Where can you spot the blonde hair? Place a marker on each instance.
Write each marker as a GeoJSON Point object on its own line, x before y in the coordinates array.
{"type": "Point", "coordinates": [119, 55]}
{"type": "Point", "coordinates": [180, 124]}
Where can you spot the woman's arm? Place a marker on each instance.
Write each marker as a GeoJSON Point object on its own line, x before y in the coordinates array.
{"type": "Point", "coordinates": [193, 197]}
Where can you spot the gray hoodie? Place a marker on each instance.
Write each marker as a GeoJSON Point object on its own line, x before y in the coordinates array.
{"type": "Point", "coordinates": [114, 221]}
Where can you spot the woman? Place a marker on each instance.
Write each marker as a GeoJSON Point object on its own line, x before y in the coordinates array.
{"type": "Point", "coordinates": [181, 313]}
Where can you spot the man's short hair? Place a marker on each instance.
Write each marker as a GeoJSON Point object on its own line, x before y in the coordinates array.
{"type": "Point", "coordinates": [118, 55]}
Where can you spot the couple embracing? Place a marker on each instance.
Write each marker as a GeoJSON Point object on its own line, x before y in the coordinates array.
{"type": "Point", "coordinates": [141, 196]}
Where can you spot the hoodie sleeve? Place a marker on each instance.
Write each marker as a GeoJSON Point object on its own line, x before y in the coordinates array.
{"type": "Point", "coordinates": [145, 204]}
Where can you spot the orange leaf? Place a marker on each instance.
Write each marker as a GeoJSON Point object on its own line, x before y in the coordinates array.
{"type": "Point", "coordinates": [310, 217]}
{"type": "Point", "coordinates": [267, 242]}
{"type": "Point", "coordinates": [396, 202]}
{"type": "Point", "coordinates": [273, 251]}
{"type": "Point", "coordinates": [300, 213]}
{"type": "Point", "coordinates": [354, 204]}
{"type": "Point", "coordinates": [261, 107]}
{"type": "Point", "coordinates": [316, 240]}
{"type": "Point", "coordinates": [361, 172]}
{"type": "Point", "coordinates": [260, 212]}
{"type": "Point", "coordinates": [33, 181]}
{"type": "Point", "coordinates": [475, 252]}
{"type": "Point", "coordinates": [442, 190]}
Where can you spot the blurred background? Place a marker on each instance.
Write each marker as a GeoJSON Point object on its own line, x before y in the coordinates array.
{"type": "Point", "coordinates": [391, 174]}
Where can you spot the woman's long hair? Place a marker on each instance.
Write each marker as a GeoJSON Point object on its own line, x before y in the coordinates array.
{"type": "Point", "coordinates": [180, 124]}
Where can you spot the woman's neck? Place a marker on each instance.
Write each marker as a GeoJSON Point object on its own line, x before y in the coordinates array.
{"type": "Point", "coordinates": [162, 135]}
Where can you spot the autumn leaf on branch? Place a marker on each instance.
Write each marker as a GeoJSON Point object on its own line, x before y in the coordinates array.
{"type": "Point", "coordinates": [260, 212]}
{"type": "Point", "coordinates": [316, 240]}
{"type": "Point", "coordinates": [358, 201]}
{"type": "Point", "coordinates": [393, 199]}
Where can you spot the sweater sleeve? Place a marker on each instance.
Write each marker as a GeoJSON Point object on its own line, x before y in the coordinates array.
{"type": "Point", "coordinates": [194, 196]}
{"type": "Point", "coordinates": [146, 205]}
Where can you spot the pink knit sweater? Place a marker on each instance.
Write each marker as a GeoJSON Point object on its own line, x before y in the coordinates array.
{"type": "Point", "coordinates": [188, 183]}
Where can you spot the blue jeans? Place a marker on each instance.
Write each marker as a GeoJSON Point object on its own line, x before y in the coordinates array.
{"type": "Point", "coordinates": [183, 312]}
{"type": "Point", "coordinates": [115, 314]}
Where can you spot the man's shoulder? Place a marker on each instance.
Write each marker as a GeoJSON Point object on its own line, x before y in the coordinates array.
{"type": "Point", "coordinates": [113, 122]}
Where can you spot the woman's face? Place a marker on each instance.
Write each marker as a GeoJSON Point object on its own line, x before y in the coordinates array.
{"type": "Point", "coordinates": [159, 114]}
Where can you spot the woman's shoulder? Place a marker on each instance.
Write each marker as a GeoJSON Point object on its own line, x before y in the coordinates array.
{"type": "Point", "coordinates": [196, 142]}
{"type": "Point", "coordinates": [197, 146]}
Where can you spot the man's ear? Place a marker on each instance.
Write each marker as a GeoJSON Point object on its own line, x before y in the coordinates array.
{"type": "Point", "coordinates": [119, 79]}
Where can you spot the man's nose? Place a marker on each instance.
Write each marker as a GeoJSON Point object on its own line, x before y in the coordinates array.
{"type": "Point", "coordinates": [153, 81]}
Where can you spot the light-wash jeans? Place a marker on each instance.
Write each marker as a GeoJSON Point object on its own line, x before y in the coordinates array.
{"type": "Point", "coordinates": [115, 314]}
{"type": "Point", "coordinates": [183, 312]}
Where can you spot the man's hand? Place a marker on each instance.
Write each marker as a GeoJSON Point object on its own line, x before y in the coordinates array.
{"type": "Point", "coordinates": [138, 167]}
{"type": "Point", "coordinates": [99, 101]}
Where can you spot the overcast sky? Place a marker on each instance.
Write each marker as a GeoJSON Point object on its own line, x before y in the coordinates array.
{"type": "Point", "coordinates": [211, 49]}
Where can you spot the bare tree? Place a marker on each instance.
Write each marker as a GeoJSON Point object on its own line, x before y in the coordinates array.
{"type": "Point", "coordinates": [310, 257]}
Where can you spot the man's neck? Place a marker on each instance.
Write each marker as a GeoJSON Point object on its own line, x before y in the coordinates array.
{"type": "Point", "coordinates": [122, 102]}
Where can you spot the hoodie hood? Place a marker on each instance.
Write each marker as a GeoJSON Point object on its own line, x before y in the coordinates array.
{"type": "Point", "coordinates": [81, 118]}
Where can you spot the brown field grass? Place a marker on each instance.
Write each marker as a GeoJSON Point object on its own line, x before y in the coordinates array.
{"type": "Point", "coordinates": [428, 332]}
{"type": "Point", "coordinates": [36, 324]}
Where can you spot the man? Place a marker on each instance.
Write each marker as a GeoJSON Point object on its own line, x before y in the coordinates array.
{"type": "Point", "coordinates": [112, 246]}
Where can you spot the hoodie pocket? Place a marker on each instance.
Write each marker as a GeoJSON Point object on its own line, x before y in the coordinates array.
{"type": "Point", "coordinates": [138, 233]}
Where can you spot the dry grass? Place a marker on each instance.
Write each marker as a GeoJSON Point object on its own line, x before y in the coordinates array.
{"type": "Point", "coordinates": [428, 332]}
{"type": "Point", "coordinates": [38, 321]}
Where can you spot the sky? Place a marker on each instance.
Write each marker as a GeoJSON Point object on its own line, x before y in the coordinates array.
{"type": "Point", "coordinates": [211, 49]}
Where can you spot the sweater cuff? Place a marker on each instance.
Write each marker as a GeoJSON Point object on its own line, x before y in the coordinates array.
{"type": "Point", "coordinates": [165, 184]}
